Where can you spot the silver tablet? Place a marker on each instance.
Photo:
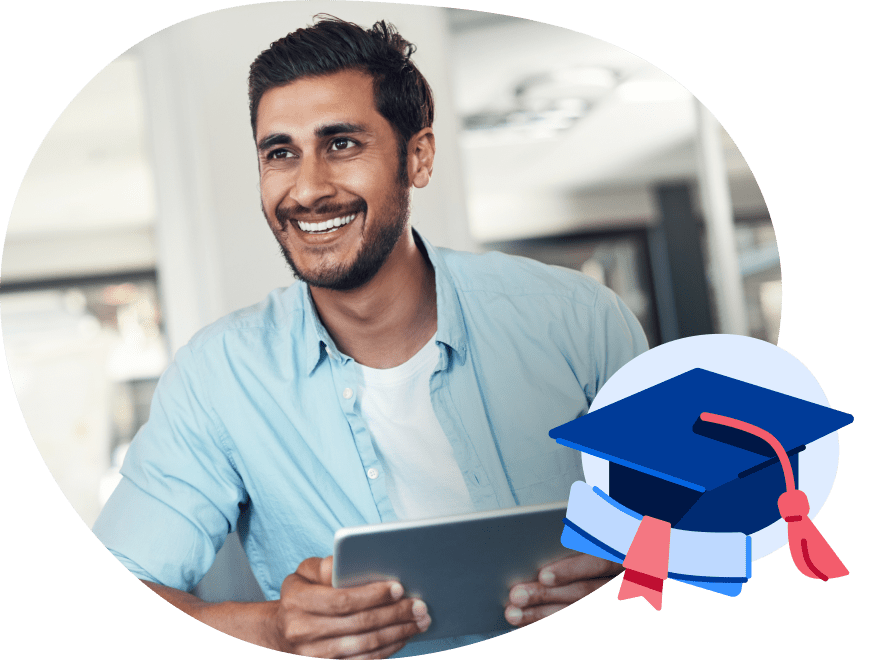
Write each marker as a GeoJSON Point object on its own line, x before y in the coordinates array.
{"type": "Point", "coordinates": [462, 566]}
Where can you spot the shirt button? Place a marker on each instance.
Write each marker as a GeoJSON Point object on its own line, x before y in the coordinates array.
{"type": "Point", "coordinates": [327, 349]}
{"type": "Point", "coordinates": [373, 473]}
{"type": "Point", "coordinates": [347, 393]}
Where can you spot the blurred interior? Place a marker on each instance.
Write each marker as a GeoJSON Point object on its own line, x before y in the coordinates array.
{"type": "Point", "coordinates": [139, 221]}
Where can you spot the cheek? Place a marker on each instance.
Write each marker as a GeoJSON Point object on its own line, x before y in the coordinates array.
{"type": "Point", "coordinates": [271, 197]}
{"type": "Point", "coordinates": [268, 210]}
{"type": "Point", "coordinates": [365, 177]}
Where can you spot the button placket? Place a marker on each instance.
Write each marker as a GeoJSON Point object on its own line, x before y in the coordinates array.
{"type": "Point", "coordinates": [344, 375]}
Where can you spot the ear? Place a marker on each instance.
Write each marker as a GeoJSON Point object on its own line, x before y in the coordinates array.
{"type": "Point", "coordinates": [421, 154]}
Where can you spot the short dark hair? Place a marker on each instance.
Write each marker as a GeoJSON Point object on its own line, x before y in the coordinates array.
{"type": "Point", "coordinates": [401, 92]}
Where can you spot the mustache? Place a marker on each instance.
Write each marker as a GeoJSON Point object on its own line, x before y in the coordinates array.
{"type": "Point", "coordinates": [286, 214]}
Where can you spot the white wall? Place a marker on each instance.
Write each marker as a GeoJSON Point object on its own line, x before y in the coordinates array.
{"type": "Point", "coordinates": [216, 253]}
{"type": "Point", "coordinates": [87, 205]}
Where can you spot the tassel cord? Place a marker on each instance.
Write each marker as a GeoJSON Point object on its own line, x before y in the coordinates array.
{"type": "Point", "coordinates": [812, 555]}
{"type": "Point", "coordinates": [760, 433]}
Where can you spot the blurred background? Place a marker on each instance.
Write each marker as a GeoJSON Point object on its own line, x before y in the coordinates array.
{"type": "Point", "coordinates": [139, 220]}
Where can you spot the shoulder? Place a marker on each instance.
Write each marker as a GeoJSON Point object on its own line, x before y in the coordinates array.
{"type": "Point", "coordinates": [278, 313]}
{"type": "Point", "coordinates": [518, 299]}
{"type": "Point", "coordinates": [513, 276]}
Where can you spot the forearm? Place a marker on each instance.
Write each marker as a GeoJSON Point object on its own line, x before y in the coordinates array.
{"type": "Point", "coordinates": [253, 622]}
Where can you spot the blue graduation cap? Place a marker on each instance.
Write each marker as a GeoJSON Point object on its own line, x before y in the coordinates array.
{"type": "Point", "coordinates": [698, 463]}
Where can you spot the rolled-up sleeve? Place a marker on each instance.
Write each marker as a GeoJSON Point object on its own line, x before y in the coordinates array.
{"type": "Point", "coordinates": [180, 493]}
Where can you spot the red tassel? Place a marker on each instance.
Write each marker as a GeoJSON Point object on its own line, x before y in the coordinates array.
{"type": "Point", "coordinates": [811, 553]}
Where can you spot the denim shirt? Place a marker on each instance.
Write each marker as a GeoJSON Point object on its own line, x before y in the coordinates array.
{"type": "Point", "coordinates": [256, 427]}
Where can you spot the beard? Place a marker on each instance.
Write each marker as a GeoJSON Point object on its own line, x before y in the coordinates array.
{"type": "Point", "coordinates": [378, 239]}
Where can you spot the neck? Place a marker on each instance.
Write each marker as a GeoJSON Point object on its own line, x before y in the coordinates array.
{"type": "Point", "coordinates": [388, 320]}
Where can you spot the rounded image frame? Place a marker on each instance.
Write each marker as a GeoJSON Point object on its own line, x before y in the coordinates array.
{"type": "Point", "coordinates": [89, 585]}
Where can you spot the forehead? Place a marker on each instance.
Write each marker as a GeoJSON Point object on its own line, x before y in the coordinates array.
{"type": "Point", "coordinates": [306, 103]}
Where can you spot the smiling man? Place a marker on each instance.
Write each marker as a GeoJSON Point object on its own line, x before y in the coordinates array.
{"type": "Point", "coordinates": [394, 380]}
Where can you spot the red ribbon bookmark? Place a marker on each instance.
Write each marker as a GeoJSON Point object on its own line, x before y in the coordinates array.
{"type": "Point", "coordinates": [647, 562]}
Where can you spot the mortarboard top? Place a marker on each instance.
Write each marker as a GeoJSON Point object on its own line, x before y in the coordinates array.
{"type": "Point", "coordinates": [668, 464]}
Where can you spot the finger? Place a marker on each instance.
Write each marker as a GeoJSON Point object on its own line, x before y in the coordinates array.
{"type": "Point", "coordinates": [381, 653]}
{"type": "Point", "coordinates": [322, 600]}
{"type": "Point", "coordinates": [363, 643]}
{"type": "Point", "coordinates": [520, 617]}
{"type": "Point", "coordinates": [406, 610]}
{"type": "Point", "coordinates": [307, 627]}
{"type": "Point", "coordinates": [530, 594]}
{"type": "Point", "coordinates": [575, 568]}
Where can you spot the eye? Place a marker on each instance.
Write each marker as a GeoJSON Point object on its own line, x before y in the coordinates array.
{"type": "Point", "coordinates": [278, 154]}
{"type": "Point", "coordinates": [341, 144]}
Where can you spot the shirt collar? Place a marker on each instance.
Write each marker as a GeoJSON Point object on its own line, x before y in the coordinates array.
{"type": "Point", "coordinates": [317, 340]}
{"type": "Point", "coordinates": [452, 331]}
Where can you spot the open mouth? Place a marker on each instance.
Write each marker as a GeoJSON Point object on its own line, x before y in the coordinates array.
{"type": "Point", "coordinates": [327, 226]}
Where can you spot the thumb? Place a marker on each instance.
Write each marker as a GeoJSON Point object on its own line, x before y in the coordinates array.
{"type": "Point", "coordinates": [317, 570]}
{"type": "Point", "coordinates": [325, 571]}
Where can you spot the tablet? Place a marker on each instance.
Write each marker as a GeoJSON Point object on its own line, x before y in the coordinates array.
{"type": "Point", "coordinates": [462, 566]}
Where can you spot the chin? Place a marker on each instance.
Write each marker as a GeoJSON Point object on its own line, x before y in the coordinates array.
{"type": "Point", "coordinates": [339, 277]}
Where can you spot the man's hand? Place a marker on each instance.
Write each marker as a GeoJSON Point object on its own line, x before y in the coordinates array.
{"type": "Point", "coordinates": [367, 622]}
{"type": "Point", "coordinates": [313, 618]}
{"type": "Point", "coordinates": [559, 584]}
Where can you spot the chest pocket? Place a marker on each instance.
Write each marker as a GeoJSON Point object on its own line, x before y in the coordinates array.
{"type": "Point", "coordinates": [544, 477]}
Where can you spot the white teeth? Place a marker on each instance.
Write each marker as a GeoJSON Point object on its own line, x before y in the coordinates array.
{"type": "Point", "coordinates": [328, 226]}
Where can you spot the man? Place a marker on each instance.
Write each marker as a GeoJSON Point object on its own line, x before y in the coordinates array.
{"type": "Point", "coordinates": [394, 381]}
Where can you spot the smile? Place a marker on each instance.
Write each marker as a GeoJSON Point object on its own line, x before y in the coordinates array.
{"type": "Point", "coordinates": [326, 226]}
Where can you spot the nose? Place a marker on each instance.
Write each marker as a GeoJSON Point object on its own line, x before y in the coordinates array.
{"type": "Point", "coordinates": [313, 182]}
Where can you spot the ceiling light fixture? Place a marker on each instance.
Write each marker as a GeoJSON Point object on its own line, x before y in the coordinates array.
{"type": "Point", "coordinates": [544, 106]}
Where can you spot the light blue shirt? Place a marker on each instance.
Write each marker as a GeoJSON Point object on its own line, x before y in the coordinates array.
{"type": "Point", "coordinates": [256, 427]}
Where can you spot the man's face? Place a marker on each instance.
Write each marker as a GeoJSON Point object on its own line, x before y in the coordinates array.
{"type": "Point", "coordinates": [333, 188]}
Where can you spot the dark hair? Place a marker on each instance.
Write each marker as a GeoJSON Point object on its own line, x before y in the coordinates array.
{"type": "Point", "coordinates": [402, 94]}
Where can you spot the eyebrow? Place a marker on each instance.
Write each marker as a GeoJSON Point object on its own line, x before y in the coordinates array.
{"type": "Point", "coordinates": [323, 131]}
{"type": "Point", "coordinates": [329, 130]}
{"type": "Point", "coordinates": [273, 140]}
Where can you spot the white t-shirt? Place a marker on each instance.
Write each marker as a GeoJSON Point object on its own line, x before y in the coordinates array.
{"type": "Point", "coordinates": [422, 476]}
